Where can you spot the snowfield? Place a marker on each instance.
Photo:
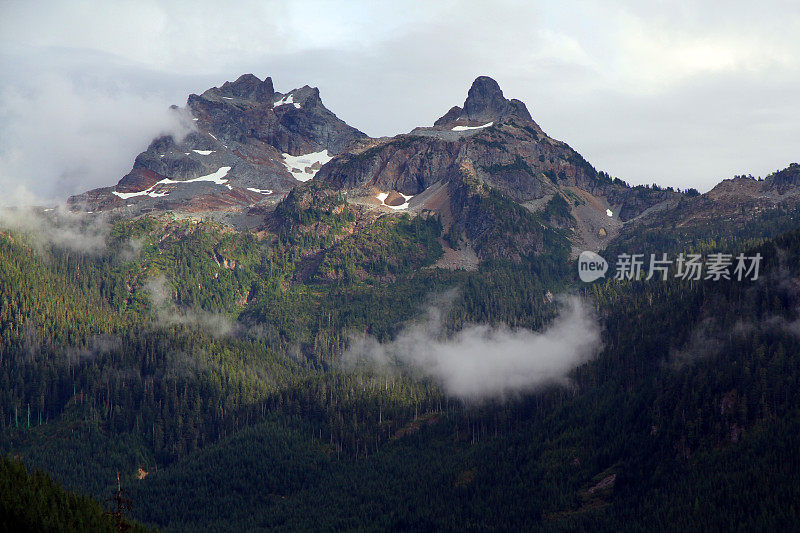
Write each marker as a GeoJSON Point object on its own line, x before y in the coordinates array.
{"type": "Point", "coordinates": [203, 152]}
{"type": "Point", "coordinates": [381, 196]}
{"type": "Point", "coordinates": [465, 128]}
{"type": "Point", "coordinates": [286, 100]}
{"type": "Point", "coordinates": [300, 165]}
{"type": "Point", "coordinates": [217, 177]}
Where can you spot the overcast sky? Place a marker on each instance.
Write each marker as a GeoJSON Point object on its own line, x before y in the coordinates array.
{"type": "Point", "coordinates": [672, 94]}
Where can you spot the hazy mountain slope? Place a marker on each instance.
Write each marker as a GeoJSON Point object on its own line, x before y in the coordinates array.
{"type": "Point", "coordinates": [570, 457]}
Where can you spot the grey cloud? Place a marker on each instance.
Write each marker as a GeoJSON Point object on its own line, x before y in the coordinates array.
{"type": "Point", "coordinates": [58, 227]}
{"type": "Point", "coordinates": [707, 340]}
{"type": "Point", "coordinates": [61, 135]}
{"type": "Point", "coordinates": [168, 314]}
{"type": "Point", "coordinates": [639, 110]}
{"type": "Point", "coordinates": [482, 362]}
{"type": "Point", "coordinates": [782, 324]}
{"type": "Point", "coordinates": [97, 346]}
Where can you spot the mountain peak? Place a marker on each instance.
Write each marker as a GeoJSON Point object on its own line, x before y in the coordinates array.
{"type": "Point", "coordinates": [485, 103]}
{"type": "Point", "coordinates": [249, 87]}
{"type": "Point", "coordinates": [485, 99]}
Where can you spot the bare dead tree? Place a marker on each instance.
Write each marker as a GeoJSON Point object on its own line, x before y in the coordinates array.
{"type": "Point", "coordinates": [121, 504]}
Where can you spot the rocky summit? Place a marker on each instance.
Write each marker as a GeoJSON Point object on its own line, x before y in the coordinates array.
{"type": "Point", "coordinates": [489, 144]}
{"type": "Point", "coordinates": [485, 103]}
{"type": "Point", "coordinates": [246, 144]}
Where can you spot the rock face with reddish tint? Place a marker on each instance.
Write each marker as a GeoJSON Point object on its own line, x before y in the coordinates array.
{"type": "Point", "coordinates": [736, 207]}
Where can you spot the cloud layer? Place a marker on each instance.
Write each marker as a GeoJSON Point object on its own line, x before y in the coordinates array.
{"type": "Point", "coordinates": [62, 136]}
{"type": "Point", "coordinates": [168, 314]}
{"type": "Point", "coordinates": [679, 94]}
{"type": "Point", "coordinates": [483, 362]}
{"type": "Point", "coordinates": [58, 227]}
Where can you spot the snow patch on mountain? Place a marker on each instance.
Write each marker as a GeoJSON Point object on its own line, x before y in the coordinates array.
{"type": "Point", "coordinates": [217, 177]}
{"type": "Point", "coordinates": [286, 100]}
{"type": "Point", "coordinates": [304, 167]}
{"type": "Point", "coordinates": [465, 128]}
{"type": "Point", "coordinates": [381, 196]}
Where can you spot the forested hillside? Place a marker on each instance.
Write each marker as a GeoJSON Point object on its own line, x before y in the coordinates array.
{"type": "Point", "coordinates": [31, 501]}
{"type": "Point", "coordinates": [206, 365]}
{"type": "Point", "coordinates": [688, 419]}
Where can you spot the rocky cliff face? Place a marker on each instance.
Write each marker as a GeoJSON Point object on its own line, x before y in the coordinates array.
{"type": "Point", "coordinates": [249, 145]}
{"type": "Point", "coordinates": [740, 208]}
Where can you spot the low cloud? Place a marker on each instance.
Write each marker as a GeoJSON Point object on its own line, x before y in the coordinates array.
{"type": "Point", "coordinates": [781, 324]}
{"type": "Point", "coordinates": [710, 338]}
{"type": "Point", "coordinates": [484, 362]}
{"type": "Point", "coordinates": [96, 346]}
{"type": "Point", "coordinates": [168, 314]}
{"type": "Point", "coordinates": [58, 227]}
{"type": "Point", "coordinates": [61, 136]}
{"type": "Point", "coordinates": [707, 340]}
